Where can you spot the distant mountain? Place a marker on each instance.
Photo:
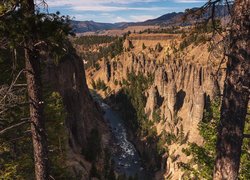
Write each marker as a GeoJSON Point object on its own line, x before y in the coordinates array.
{"type": "Point", "coordinates": [164, 20]}
{"type": "Point", "coordinates": [177, 18]}
{"type": "Point", "coordinates": [86, 26]}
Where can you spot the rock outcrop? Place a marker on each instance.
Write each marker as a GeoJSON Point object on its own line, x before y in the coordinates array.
{"type": "Point", "coordinates": [83, 114]}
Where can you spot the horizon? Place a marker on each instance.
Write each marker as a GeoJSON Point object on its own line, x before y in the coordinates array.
{"type": "Point", "coordinates": [115, 11]}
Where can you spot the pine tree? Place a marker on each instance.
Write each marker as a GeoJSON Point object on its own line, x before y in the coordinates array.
{"type": "Point", "coordinates": [24, 28]}
{"type": "Point", "coordinates": [235, 96]}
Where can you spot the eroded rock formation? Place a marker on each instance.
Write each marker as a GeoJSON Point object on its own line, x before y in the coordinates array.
{"type": "Point", "coordinates": [182, 85]}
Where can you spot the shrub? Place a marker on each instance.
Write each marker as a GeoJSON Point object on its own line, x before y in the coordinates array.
{"type": "Point", "coordinates": [100, 85]}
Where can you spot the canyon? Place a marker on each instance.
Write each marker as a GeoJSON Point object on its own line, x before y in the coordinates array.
{"type": "Point", "coordinates": [184, 83]}
{"type": "Point", "coordinates": [163, 98]}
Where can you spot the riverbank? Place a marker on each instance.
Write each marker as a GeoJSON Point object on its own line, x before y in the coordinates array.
{"type": "Point", "coordinates": [154, 163]}
{"type": "Point", "coordinates": [125, 157]}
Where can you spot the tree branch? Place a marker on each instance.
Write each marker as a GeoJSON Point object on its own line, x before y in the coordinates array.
{"type": "Point", "coordinates": [246, 135]}
{"type": "Point", "coordinates": [14, 126]}
{"type": "Point", "coordinates": [10, 10]}
{"type": "Point", "coordinates": [12, 84]}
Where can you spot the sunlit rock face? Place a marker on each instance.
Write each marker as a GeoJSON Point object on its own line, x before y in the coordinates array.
{"type": "Point", "coordinates": [182, 86]}
{"type": "Point", "coordinates": [151, 101]}
{"type": "Point", "coordinates": [180, 90]}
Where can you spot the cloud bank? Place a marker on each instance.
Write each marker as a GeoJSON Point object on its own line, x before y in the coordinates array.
{"type": "Point", "coordinates": [118, 10]}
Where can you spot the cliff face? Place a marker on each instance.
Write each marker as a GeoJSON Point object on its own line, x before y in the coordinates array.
{"type": "Point", "coordinates": [83, 114]}
{"type": "Point", "coordinates": [181, 89]}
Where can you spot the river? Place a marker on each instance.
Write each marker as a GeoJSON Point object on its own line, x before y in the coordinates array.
{"type": "Point", "coordinates": [126, 158]}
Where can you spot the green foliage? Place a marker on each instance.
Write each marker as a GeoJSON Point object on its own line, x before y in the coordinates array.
{"type": "Point", "coordinates": [97, 66]}
{"type": "Point", "coordinates": [204, 156]}
{"type": "Point", "coordinates": [199, 34]}
{"type": "Point", "coordinates": [169, 137]}
{"type": "Point", "coordinates": [134, 101]}
{"type": "Point", "coordinates": [158, 47]}
{"type": "Point", "coordinates": [161, 148]}
{"type": "Point", "coordinates": [181, 136]}
{"type": "Point", "coordinates": [16, 158]}
{"type": "Point", "coordinates": [166, 30]}
{"type": "Point", "coordinates": [57, 140]}
{"type": "Point", "coordinates": [245, 155]}
{"type": "Point", "coordinates": [49, 31]}
{"type": "Point", "coordinates": [46, 35]}
{"type": "Point", "coordinates": [186, 151]}
{"type": "Point", "coordinates": [6, 63]}
{"type": "Point", "coordinates": [93, 84]}
{"type": "Point", "coordinates": [6, 6]}
{"type": "Point", "coordinates": [183, 35]}
{"type": "Point", "coordinates": [16, 148]}
{"type": "Point", "coordinates": [114, 48]}
{"type": "Point", "coordinates": [100, 85]}
{"type": "Point", "coordinates": [143, 46]}
{"type": "Point", "coordinates": [16, 155]}
{"type": "Point", "coordinates": [116, 82]}
{"type": "Point", "coordinates": [152, 135]}
{"type": "Point", "coordinates": [93, 40]}
{"type": "Point", "coordinates": [208, 125]}
{"type": "Point", "coordinates": [208, 27]}
{"type": "Point", "coordinates": [157, 115]}
{"type": "Point", "coordinates": [193, 38]}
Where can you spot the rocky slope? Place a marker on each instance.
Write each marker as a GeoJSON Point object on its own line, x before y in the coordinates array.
{"type": "Point", "coordinates": [184, 82]}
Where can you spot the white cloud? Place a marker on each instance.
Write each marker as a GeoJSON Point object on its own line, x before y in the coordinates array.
{"type": "Point", "coordinates": [113, 17]}
{"type": "Point", "coordinates": [116, 8]}
{"type": "Point", "coordinates": [112, 10]}
{"type": "Point", "coordinates": [84, 16]}
{"type": "Point", "coordinates": [107, 16]}
{"type": "Point", "coordinates": [110, 4]}
{"type": "Point", "coordinates": [139, 18]}
{"type": "Point", "coordinates": [102, 5]}
{"type": "Point", "coordinates": [190, 1]}
{"type": "Point", "coordinates": [119, 19]}
{"type": "Point", "coordinates": [55, 3]}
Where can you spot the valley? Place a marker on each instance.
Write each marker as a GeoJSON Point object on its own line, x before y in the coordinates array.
{"type": "Point", "coordinates": [160, 90]}
{"type": "Point", "coordinates": [162, 85]}
{"type": "Point", "coordinates": [124, 90]}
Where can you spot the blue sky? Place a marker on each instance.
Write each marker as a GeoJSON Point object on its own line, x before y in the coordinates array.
{"type": "Point", "coordinates": [119, 10]}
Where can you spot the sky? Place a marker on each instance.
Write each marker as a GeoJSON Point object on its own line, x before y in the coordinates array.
{"type": "Point", "coordinates": [112, 11]}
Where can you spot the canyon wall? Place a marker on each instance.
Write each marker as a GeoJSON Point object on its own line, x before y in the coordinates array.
{"type": "Point", "coordinates": [83, 114]}
{"type": "Point", "coordinates": [181, 90]}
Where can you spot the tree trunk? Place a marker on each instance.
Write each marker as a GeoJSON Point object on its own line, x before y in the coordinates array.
{"type": "Point", "coordinates": [33, 76]}
{"type": "Point", "coordinates": [235, 96]}
{"type": "Point", "coordinates": [34, 87]}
